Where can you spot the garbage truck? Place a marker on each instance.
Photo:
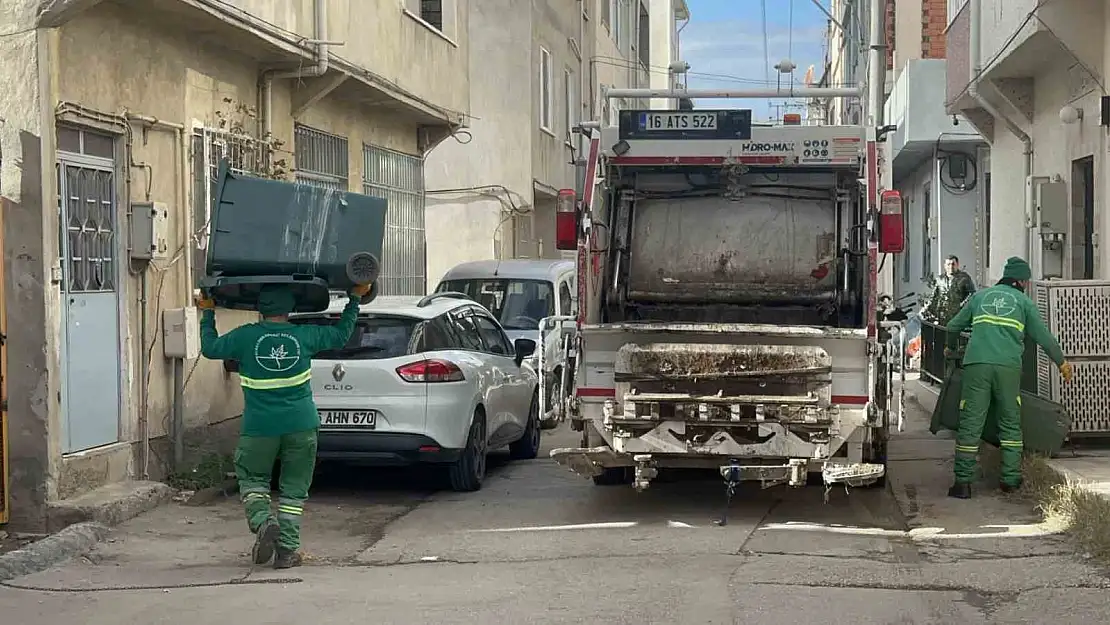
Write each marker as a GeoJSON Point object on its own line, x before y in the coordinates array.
{"type": "Point", "coordinates": [727, 287]}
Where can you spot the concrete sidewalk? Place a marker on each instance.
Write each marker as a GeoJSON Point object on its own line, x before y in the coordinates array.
{"type": "Point", "coordinates": [1087, 468]}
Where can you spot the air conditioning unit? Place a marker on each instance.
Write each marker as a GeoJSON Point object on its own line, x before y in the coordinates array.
{"type": "Point", "coordinates": [1076, 312]}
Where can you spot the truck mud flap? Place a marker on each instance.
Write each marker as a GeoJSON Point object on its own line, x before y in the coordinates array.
{"type": "Point", "coordinates": [589, 461]}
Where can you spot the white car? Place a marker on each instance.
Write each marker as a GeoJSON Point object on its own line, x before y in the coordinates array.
{"type": "Point", "coordinates": [425, 380]}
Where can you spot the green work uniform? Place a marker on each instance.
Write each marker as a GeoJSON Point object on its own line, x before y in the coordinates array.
{"type": "Point", "coordinates": [279, 415]}
{"type": "Point", "coordinates": [1000, 318]}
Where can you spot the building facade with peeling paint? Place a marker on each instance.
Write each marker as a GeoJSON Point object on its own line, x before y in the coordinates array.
{"type": "Point", "coordinates": [113, 106]}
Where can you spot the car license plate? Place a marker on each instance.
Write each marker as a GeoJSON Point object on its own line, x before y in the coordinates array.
{"type": "Point", "coordinates": [678, 121]}
{"type": "Point", "coordinates": [362, 419]}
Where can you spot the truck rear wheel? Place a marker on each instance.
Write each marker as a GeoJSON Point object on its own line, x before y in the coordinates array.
{"type": "Point", "coordinates": [878, 456]}
{"type": "Point", "coordinates": [614, 476]}
{"type": "Point", "coordinates": [610, 476]}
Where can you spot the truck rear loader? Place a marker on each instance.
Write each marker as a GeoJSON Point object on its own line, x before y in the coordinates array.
{"type": "Point", "coordinates": [727, 286]}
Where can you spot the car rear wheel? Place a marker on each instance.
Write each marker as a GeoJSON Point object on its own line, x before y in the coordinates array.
{"type": "Point", "coordinates": [466, 473]}
{"type": "Point", "coordinates": [527, 447]}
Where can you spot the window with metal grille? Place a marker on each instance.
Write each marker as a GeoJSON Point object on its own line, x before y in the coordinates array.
{"type": "Point", "coordinates": [431, 11]}
{"type": "Point", "coordinates": [399, 178]}
{"type": "Point", "coordinates": [321, 158]}
{"type": "Point", "coordinates": [246, 155]}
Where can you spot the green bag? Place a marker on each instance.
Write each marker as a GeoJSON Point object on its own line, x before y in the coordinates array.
{"type": "Point", "coordinates": [1044, 424]}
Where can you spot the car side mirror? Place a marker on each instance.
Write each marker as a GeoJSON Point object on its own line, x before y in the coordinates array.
{"type": "Point", "coordinates": [524, 348]}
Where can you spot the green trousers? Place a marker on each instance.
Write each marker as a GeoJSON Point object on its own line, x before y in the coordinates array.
{"type": "Point", "coordinates": [254, 466]}
{"type": "Point", "coordinates": [984, 385]}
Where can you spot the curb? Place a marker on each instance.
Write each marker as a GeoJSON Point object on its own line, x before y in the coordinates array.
{"type": "Point", "coordinates": [1075, 479]}
{"type": "Point", "coordinates": [129, 501]}
{"type": "Point", "coordinates": [914, 394]}
{"type": "Point", "coordinates": [40, 555]}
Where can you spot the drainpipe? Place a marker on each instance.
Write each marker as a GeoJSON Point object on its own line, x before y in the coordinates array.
{"type": "Point", "coordinates": [975, 57]}
{"type": "Point", "coordinates": [319, 69]}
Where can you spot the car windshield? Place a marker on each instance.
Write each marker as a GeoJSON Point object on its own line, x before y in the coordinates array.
{"type": "Point", "coordinates": [517, 304]}
{"type": "Point", "coordinates": [374, 338]}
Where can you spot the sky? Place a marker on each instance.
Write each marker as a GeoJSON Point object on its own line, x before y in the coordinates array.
{"type": "Point", "coordinates": [723, 43]}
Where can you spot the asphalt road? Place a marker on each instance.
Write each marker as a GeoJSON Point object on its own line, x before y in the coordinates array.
{"type": "Point", "coordinates": [541, 545]}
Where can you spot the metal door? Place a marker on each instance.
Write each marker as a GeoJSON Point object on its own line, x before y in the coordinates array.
{"type": "Point", "coordinates": [88, 219]}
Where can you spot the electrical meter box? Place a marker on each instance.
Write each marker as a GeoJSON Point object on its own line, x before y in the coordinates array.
{"type": "Point", "coordinates": [148, 231]}
{"type": "Point", "coordinates": [181, 333]}
{"type": "Point", "coordinates": [311, 238]}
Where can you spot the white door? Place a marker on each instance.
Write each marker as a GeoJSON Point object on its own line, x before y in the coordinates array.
{"type": "Point", "coordinates": [88, 220]}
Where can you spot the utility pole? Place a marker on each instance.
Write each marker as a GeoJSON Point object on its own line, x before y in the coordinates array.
{"type": "Point", "coordinates": [876, 64]}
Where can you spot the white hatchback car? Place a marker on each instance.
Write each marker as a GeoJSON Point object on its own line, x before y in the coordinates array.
{"type": "Point", "coordinates": [425, 380]}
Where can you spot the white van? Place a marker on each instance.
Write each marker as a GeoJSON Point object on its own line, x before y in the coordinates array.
{"type": "Point", "coordinates": [520, 294]}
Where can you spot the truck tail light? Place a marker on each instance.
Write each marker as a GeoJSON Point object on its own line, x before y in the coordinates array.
{"type": "Point", "coordinates": [432, 370]}
{"type": "Point", "coordinates": [566, 221]}
{"type": "Point", "coordinates": [892, 229]}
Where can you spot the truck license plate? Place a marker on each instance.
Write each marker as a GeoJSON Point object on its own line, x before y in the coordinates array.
{"type": "Point", "coordinates": [362, 419]}
{"type": "Point", "coordinates": [678, 121]}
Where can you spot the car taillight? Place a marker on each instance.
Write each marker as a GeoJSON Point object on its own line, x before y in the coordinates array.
{"type": "Point", "coordinates": [431, 371]}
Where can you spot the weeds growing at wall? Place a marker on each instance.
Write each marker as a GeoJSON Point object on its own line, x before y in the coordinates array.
{"type": "Point", "coordinates": [212, 470]}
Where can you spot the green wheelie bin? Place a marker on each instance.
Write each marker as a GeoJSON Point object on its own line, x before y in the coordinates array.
{"type": "Point", "coordinates": [314, 239]}
{"type": "Point", "coordinates": [1045, 425]}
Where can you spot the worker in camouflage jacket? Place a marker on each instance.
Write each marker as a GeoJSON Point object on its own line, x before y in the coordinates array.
{"type": "Point", "coordinates": [279, 416]}
{"type": "Point", "coordinates": [1000, 317]}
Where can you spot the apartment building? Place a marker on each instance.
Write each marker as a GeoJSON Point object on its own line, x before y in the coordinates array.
{"type": "Point", "coordinates": [1030, 76]}
{"type": "Point", "coordinates": [938, 161]}
{"type": "Point", "coordinates": [113, 106]}
{"type": "Point", "coordinates": [845, 60]}
{"type": "Point", "coordinates": [664, 47]}
{"type": "Point", "coordinates": [539, 68]}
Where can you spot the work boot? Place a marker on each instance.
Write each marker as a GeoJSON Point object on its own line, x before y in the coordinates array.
{"type": "Point", "coordinates": [287, 558]}
{"type": "Point", "coordinates": [265, 541]}
{"type": "Point", "coordinates": [960, 490]}
{"type": "Point", "coordinates": [1009, 488]}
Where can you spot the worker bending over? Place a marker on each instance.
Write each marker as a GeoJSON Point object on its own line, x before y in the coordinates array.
{"type": "Point", "coordinates": [279, 415]}
{"type": "Point", "coordinates": [1001, 317]}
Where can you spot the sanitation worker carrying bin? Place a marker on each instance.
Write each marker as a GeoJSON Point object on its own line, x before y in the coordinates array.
{"type": "Point", "coordinates": [279, 416]}
{"type": "Point", "coordinates": [1000, 317]}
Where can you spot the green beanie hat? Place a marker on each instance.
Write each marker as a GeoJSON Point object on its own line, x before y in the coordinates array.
{"type": "Point", "coordinates": [275, 300]}
{"type": "Point", "coordinates": [1017, 269]}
